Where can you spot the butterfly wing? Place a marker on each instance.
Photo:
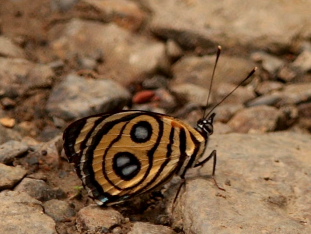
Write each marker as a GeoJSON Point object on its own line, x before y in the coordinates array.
{"type": "Point", "coordinates": [128, 153]}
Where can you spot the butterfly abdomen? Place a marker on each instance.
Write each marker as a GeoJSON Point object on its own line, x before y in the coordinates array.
{"type": "Point", "coordinates": [120, 155]}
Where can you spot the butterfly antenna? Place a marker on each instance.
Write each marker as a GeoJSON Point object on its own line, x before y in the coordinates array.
{"type": "Point", "coordinates": [212, 79]}
{"type": "Point", "coordinates": [249, 75]}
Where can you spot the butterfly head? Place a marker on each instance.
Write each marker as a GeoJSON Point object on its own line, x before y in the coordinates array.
{"type": "Point", "coordinates": [205, 125]}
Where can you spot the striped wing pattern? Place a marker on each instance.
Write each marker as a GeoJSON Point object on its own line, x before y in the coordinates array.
{"type": "Point", "coordinates": [121, 155]}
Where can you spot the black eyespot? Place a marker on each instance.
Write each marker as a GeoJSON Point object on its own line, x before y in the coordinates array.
{"type": "Point", "coordinates": [126, 165]}
{"type": "Point", "coordinates": [141, 132]}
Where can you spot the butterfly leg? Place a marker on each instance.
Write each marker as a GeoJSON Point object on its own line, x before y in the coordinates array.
{"type": "Point", "coordinates": [183, 183]}
{"type": "Point", "coordinates": [214, 156]}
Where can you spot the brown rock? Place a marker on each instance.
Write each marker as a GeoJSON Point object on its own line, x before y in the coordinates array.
{"type": "Point", "coordinates": [303, 61]}
{"type": "Point", "coordinates": [193, 93]}
{"type": "Point", "coordinates": [295, 93]}
{"type": "Point", "coordinates": [8, 134]}
{"type": "Point", "coordinates": [269, 62]}
{"type": "Point", "coordinates": [200, 24]}
{"type": "Point", "coordinates": [7, 122]}
{"type": "Point", "coordinates": [239, 96]}
{"type": "Point", "coordinates": [19, 76]}
{"type": "Point", "coordinates": [20, 213]}
{"type": "Point", "coordinates": [124, 13]}
{"type": "Point", "coordinates": [8, 49]}
{"type": "Point", "coordinates": [225, 112]}
{"type": "Point", "coordinates": [266, 177]}
{"type": "Point", "coordinates": [257, 119]}
{"type": "Point", "coordinates": [10, 176]}
{"type": "Point", "coordinates": [59, 210]}
{"type": "Point", "coordinates": [173, 49]}
{"type": "Point", "coordinates": [198, 70]}
{"type": "Point", "coordinates": [124, 53]}
{"type": "Point", "coordinates": [39, 190]}
{"type": "Point", "coordinates": [287, 74]}
{"type": "Point", "coordinates": [12, 149]}
{"type": "Point", "coordinates": [94, 218]}
{"type": "Point", "coordinates": [148, 228]}
{"type": "Point", "coordinates": [95, 96]}
{"type": "Point", "coordinates": [268, 86]}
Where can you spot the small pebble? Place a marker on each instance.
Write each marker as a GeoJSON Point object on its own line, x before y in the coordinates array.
{"type": "Point", "coordinates": [7, 122]}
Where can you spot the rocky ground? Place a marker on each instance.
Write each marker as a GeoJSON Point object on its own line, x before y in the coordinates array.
{"type": "Point", "coordinates": [61, 60]}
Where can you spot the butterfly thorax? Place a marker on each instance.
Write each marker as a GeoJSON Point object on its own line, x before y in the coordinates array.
{"type": "Point", "coordinates": [205, 129]}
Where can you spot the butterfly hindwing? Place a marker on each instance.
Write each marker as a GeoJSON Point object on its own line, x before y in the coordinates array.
{"type": "Point", "coordinates": [121, 155]}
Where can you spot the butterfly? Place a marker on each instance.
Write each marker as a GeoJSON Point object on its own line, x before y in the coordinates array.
{"type": "Point", "coordinates": [120, 155]}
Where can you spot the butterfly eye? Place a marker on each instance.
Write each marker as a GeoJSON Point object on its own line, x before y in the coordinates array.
{"type": "Point", "coordinates": [206, 125]}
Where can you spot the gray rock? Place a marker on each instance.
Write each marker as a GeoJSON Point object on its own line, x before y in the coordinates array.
{"type": "Point", "coordinates": [51, 150]}
{"type": "Point", "coordinates": [126, 14]}
{"type": "Point", "coordinates": [148, 228]}
{"type": "Point", "coordinates": [7, 103]}
{"type": "Point", "coordinates": [269, 100]}
{"type": "Point", "coordinates": [124, 53]}
{"type": "Point", "coordinates": [287, 73]}
{"type": "Point", "coordinates": [200, 24]}
{"type": "Point", "coordinates": [39, 190]}
{"type": "Point", "coordinates": [221, 128]}
{"type": "Point", "coordinates": [8, 196]}
{"type": "Point", "coordinates": [305, 110]}
{"type": "Point", "coordinates": [78, 97]}
{"type": "Point", "coordinates": [267, 181]}
{"type": "Point", "coordinates": [166, 100]}
{"type": "Point", "coordinates": [193, 93]}
{"type": "Point", "coordinates": [10, 176]}
{"type": "Point", "coordinates": [269, 62]}
{"type": "Point", "coordinates": [240, 96]}
{"type": "Point", "coordinates": [57, 65]}
{"type": "Point", "coordinates": [63, 5]}
{"type": "Point", "coordinates": [224, 112]}
{"type": "Point", "coordinates": [148, 107]}
{"type": "Point", "coordinates": [198, 70]}
{"type": "Point", "coordinates": [268, 86]}
{"type": "Point", "coordinates": [87, 63]}
{"type": "Point", "coordinates": [295, 93]}
{"type": "Point", "coordinates": [92, 219]}
{"type": "Point", "coordinates": [173, 49]}
{"type": "Point", "coordinates": [8, 134]}
{"type": "Point", "coordinates": [258, 119]}
{"type": "Point", "coordinates": [12, 149]}
{"type": "Point", "coordinates": [19, 76]}
{"type": "Point", "coordinates": [20, 214]}
{"type": "Point", "coordinates": [156, 82]}
{"type": "Point", "coordinates": [59, 210]}
{"type": "Point", "coordinates": [303, 61]}
{"type": "Point", "coordinates": [8, 49]}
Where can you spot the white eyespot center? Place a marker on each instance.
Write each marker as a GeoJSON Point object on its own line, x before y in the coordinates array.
{"type": "Point", "coordinates": [123, 160]}
{"type": "Point", "coordinates": [141, 132]}
{"type": "Point", "coordinates": [128, 170]}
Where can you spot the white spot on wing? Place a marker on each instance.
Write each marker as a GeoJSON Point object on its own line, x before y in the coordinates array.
{"type": "Point", "coordinates": [121, 161]}
{"type": "Point", "coordinates": [141, 132]}
{"type": "Point", "coordinates": [129, 170]}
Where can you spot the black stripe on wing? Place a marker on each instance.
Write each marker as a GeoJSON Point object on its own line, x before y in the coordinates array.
{"type": "Point", "coordinates": [70, 135]}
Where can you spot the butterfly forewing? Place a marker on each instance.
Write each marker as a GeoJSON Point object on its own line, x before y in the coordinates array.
{"type": "Point", "coordinates": [120, 155]}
